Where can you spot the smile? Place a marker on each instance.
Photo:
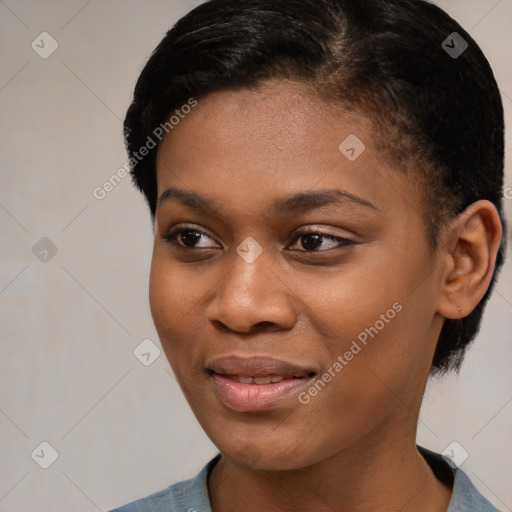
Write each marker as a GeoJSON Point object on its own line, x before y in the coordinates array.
{"type": "Point", "coordinates": [257, 383]}
{"type": "Point", "coordinates": [260, 380]}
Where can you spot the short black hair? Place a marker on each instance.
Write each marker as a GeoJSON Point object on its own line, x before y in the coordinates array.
{"type": "Point", "coordinates": [435, 112]}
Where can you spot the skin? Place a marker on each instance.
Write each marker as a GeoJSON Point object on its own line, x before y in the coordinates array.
{"type": "Point", "coordinates": [352, 447]}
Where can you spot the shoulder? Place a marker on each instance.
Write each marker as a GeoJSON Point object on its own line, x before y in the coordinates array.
{"type": "Point", "coordinates": [185, 496]}
{"type": "Point", "coordinates": [465, 496]}
{"type": "Point", "coordinates": [157, 502]}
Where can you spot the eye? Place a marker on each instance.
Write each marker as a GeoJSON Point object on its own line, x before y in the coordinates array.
{"type": "Point", "coordinates": [313, 239]}
{"type": "Point", "coordinates": [187, 238]}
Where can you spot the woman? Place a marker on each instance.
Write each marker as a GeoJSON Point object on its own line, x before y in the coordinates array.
{"type": "Point", "coordinates": [325, 180]}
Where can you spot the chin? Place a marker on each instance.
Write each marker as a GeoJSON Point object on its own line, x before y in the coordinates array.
{"type": "Point", "coordinates": [268, 458]}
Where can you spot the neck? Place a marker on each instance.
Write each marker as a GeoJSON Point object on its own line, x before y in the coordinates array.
{"type": "Point", "coordinates": [371, 477]}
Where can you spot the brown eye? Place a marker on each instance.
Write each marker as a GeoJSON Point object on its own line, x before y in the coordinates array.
{"type": "Point", "coordinates": [187, 238]}
{"type": "Point", "coordinates": [311, 241]}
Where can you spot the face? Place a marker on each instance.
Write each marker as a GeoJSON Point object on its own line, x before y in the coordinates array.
{"type": "Point", "coordinates": [292, 285]}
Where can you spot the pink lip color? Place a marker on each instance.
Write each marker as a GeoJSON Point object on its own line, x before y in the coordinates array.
{"type": "Point", "coordinates": [254, 397]}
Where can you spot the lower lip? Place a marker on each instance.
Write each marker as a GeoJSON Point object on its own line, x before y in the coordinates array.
{"type": "Point", "coordinates": [255, 397]}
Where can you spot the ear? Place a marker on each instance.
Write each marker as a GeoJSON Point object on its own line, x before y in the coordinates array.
{"type": "Point", "coordinates": [467, 249]}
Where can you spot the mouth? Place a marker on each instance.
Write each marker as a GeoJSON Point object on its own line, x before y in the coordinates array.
{"type": "Point", "coordinates": [268, 379]}
{"type": "Point", "coordinates": [257, 383]}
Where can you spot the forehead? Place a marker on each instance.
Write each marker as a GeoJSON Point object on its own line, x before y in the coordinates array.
{"type": "Point", "coordinates": [292, 111]}
{"type": "Point", "coordinates": [280, 138]}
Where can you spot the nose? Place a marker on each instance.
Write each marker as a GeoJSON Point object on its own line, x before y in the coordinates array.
{"type": "Point", "coordinates": [251, 297]}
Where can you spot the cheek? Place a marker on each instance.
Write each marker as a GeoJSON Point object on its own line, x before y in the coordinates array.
{"type": "Point", "coordinates": [172, 298]}
{"type": "Point", "coordinates": [174, 290]}
{"type": "Point", "coordinates": [342, 304]}
{"type": "Point", "coordinates": [372, 381]}
{"type": "Point", "coordinates": [162, 294]}
{"type": "Point", "coordinates": [378, 350]}
{"type": "Point", "coordinates": [178, 296]}
{"type": "Point", "coordinates": [384, 366]}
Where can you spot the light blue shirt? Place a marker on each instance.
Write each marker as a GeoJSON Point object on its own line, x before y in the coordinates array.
{"type": "Point", "coordinates": [192, 495]}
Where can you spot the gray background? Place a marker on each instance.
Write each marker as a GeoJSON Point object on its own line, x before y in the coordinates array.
{"type": "Point", "coordinates": [69, 325]}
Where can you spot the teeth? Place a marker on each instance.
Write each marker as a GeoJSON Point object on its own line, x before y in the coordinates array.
{"type": "Point", "coordinates": [261, 380]}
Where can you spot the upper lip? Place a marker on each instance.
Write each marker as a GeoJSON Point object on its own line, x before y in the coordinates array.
{"type": "Point", "coordinates": [257, 367]}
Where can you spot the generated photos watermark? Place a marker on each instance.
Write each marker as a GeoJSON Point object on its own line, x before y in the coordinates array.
{"type": "Point", "coordinates": [357, 345]}
{"type": "Point", "coordinates": [158, 133]}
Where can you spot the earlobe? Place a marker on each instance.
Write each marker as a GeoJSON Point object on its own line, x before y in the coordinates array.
{"type": "Point", "coordinates": [468, 253]}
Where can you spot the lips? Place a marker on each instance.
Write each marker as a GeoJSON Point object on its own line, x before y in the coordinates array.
{"type": "Point", "coordinates": [259, 380]}
{"type": "Point", "coordinates": [257, 367]}
{"type": "Point", "coordinates": [256, 383]}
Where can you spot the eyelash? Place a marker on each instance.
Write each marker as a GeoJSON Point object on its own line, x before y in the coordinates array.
{"type": "Point", "coordinates": [342, 242]}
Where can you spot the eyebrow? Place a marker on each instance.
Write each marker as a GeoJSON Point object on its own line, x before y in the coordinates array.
{"type": "Point", "coordinates": [296, 203]}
